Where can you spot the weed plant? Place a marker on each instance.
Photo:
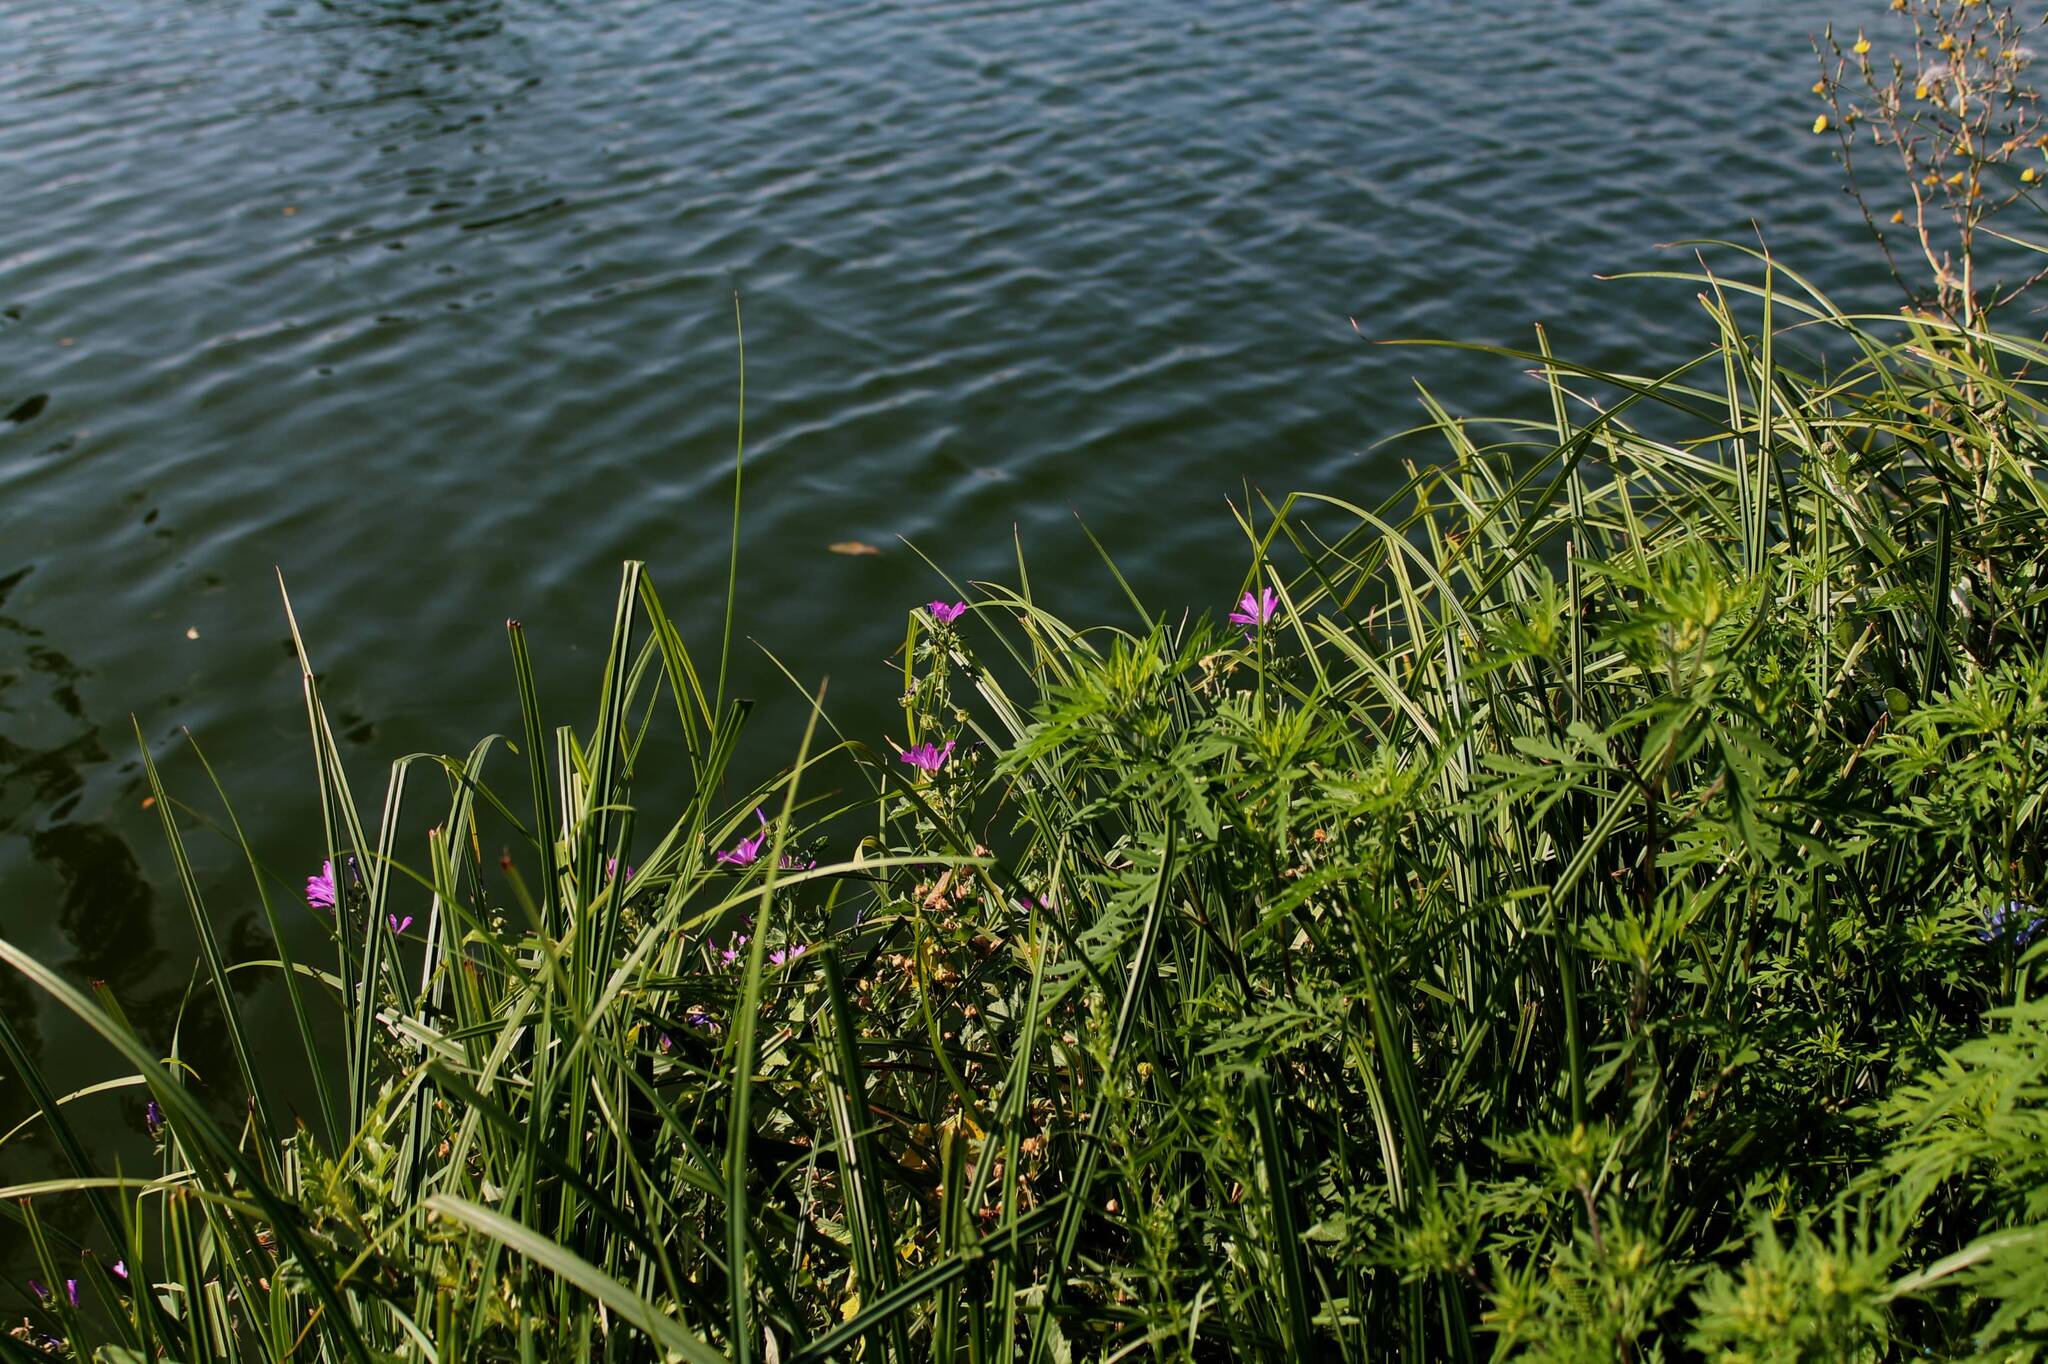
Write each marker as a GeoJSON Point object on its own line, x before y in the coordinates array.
{"type": "Point", "coordinates": [1581, 907]}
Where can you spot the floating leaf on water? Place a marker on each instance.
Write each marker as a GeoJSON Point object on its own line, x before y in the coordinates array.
{"type": "Point", "coordinates": [29, 408]}
{"type": "Point", "coordinates": [855, 547]}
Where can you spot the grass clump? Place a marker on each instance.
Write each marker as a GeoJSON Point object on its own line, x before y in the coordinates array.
{"type": "Point", "coordinates": [1584, 908]}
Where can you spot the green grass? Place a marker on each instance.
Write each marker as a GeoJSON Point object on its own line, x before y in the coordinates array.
{"type": "Point", "coordinates": [1585, 923]}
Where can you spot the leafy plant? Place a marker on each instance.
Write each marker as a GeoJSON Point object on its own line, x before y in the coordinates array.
{"type": "Point", "coordinates": [1579, 907]}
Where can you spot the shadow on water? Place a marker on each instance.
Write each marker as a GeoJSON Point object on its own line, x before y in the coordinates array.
{"type": "Point", "coordinates": [79, 897]}
{"type": "Point", "coordinates": [441, 51]}
{"type": "Point", "coordinates": [457, 19]}
{"type": "Point", "coordinates": [429, 85]}
{"type": "Point", "coordinates": [49, 748]}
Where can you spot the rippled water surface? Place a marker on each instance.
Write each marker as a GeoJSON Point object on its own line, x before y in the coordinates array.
{"type": "Point", "coordinates": [430, 305]}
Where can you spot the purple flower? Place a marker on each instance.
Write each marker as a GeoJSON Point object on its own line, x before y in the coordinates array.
{"type": "Point", "coordinates": [2013, 919]}
{"type": "Point", "coordinates": [667, 1044]}
{"type": "Point", "coordinates": [153, 1117]}
{"type": "Point", "coordinates": [398, 925]}
{"type": "Point", "coordinates": [321, 892]}
{"type": "Point", "coordinates": [732, 952]}
{"type": "Point", "coordinates": [120, 1269]}
{"type": "Point", "coordinates": [743, 853]}
{"type": "Point", "coordinates": [787, 954]}
{"type": "Point", "coordinates": [946, 614]}
{"type": "Point", "coordinates": [697, 1018]}
{"type": "Point", "coordinates": [611, 869]}
{"type": "Point", "coordinates": [927, 758]}
{"type": "Point", "coordinates": [36, 1287]}
{"type": "Point", "coordinates": [1253, 612]}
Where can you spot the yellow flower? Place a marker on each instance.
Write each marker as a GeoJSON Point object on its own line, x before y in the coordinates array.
{"type": "Point", "coordinates": [1820, 125]}
{"type": "Point", "coordinates": [1947, 43]}
{"type": "Point", "coordinates": [1919, 92]}
{"type": "Point", "coordinates": [1898, 215]}
{"type": "Point", "coordinates": [1862, 45]}
{"type": "Point", "coordinates": [2029, 175]}
{"type": "Point", "coordinates": [1955, 180]}
{"type": "Point", "coordinates": [1820, 87]}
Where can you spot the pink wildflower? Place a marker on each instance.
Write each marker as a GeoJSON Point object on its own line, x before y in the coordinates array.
{"type": "Point", "coordinates": [743, 853]}
{"type": "Point", "coordinates": [927, 758]}
{"type": "Point", "coordinates": [1256, 611]}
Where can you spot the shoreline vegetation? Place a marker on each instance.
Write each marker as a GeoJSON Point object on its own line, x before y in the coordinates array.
{"type": "Point", "coordinates": [1581, 907]}
{"type": "Point", "coordinates": [1585, 906]}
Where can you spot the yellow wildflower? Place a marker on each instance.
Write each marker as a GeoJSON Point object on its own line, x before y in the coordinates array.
{"type": "Point", "coordinates": [1920, 92]}
{"type": "Point", "coordinates": [1947, 43]}
{"type": "Point", "coordinates": [1820, 87]}
{"type": "Point", "coordinates": [2029, 175]}
{"type": "Point", "coordinates": [1898, 215]}
{"type": "Point", "coordinates": [1820, 125]}
{"type": "Point", "coordinates": [1862, 45]}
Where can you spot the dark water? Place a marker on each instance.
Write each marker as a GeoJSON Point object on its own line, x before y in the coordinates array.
{"type": "Point", "coordinates": [431, 305]}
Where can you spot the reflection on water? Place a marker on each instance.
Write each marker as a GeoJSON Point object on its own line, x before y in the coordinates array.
{"type": "Point", "coordinates": [448, 20]}
{"type": "Point", "coordinates": [106, 909]}
{"type": "Point", "coordinates": [82, 901]}
{"type": "Point", "coordinates": [98, 921]}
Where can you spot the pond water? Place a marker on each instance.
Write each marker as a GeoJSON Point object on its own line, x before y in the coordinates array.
{"type": "Point", "coordinates": [430, 305]}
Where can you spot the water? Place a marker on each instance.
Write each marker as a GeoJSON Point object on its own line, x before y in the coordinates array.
{"type": "Point", "coordinates": [430, 305]}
